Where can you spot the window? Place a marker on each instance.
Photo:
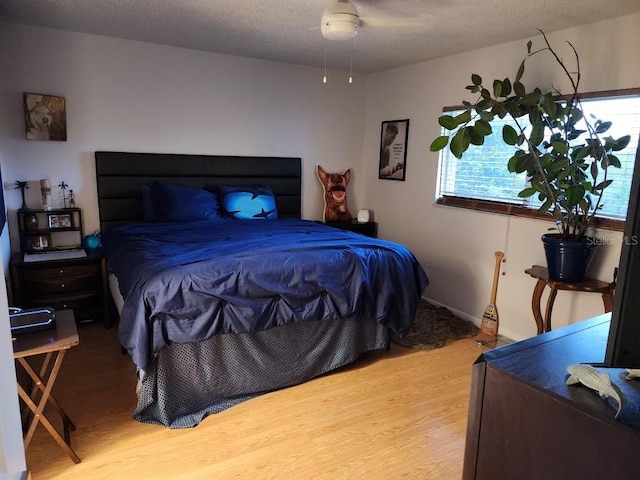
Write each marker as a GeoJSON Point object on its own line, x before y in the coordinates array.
{"type": "Point", "coordinates": [480, 179]}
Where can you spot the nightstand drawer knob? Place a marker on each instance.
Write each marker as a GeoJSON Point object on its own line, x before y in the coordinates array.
{"type": "Point", "coordinates": [62, 270]}
{"type": "Point", "coordinates": [62, 285]}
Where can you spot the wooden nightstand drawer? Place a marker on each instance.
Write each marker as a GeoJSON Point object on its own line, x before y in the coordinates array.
{"type": "Point", "coordinates": [31, 273]}
{"type": "Point", "coordinates": [49, 285]}
{"type": "Point", "coordinates": [84, 305]}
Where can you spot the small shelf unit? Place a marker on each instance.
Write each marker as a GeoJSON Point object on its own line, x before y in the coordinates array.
{"type": "Point", "coordinates": [49, 230]}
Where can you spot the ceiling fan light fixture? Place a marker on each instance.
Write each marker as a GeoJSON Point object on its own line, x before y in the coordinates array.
{"type": "Point", "coordinates": [340, 21]}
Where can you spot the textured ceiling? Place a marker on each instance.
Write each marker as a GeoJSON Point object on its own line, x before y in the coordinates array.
{"type": "Point", "coordinates": [394, 32]}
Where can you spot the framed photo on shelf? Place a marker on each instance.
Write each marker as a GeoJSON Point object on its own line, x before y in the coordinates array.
{"type": "Point", "coordinates": [59, 220]}
{"type": "Point", "coordinates": [393, 149]}
{"type": "Point", "coordinates": [37, 243]}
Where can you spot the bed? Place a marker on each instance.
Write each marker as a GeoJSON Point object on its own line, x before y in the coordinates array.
{"type": "Point", "coordinates": [219, 309]}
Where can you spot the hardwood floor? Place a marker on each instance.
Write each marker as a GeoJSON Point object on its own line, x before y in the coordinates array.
{"type": "Point", "coordinates": [398, 414]}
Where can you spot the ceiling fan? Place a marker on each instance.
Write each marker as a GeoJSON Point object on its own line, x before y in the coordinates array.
{"type": "Point", "coordinates": [341, 21]}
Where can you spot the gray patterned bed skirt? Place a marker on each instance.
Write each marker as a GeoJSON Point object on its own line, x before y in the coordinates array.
{"type": "Point", "coordinates": [187, 382]}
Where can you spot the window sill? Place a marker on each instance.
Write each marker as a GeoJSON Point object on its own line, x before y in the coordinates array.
{"type": "Point", "coordinates": [518, 211]}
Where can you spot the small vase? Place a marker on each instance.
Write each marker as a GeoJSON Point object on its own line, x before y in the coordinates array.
{"type": "Point", "coordinates": [45, 189]}
{"type": "Point", "coordinates": [30, 221]}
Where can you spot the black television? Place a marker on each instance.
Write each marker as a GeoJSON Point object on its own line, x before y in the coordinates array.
{"type": "Point", "coordinates": [623, 345]}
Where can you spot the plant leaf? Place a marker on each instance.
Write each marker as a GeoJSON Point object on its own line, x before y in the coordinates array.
{"type": "Point", "coordinates": [520, 72]}
{"type": "Point", "coordinates": [602, 127]}
{"type": "Point", "coordinates": [459, 143]}
{"type": "Point", "coordinates": [580, 153]}
{"type": "Point", "coordinates": [525, 162]}
{"type": "Point", "coordinates": [476, 79]}
{"type": "Point", "coordinates": [537, 133]}
{"type": "Point", "coordinates": [509, 135]}
{"type": "Point", "coordinates": [483, 127]}
{"type": "Point", "coordinates": [603, 185]}
{"type": "Point", "coordinates": [497, 88]}
{"type": "Point", "coordinates": [486, 116]}
{"type": "Point", "coordinates": [518, 87]}
{"type": "Point", "coordinates": [574, 195]}
{"type": "Point", "coordinates": [544, 208]}
{"type": "Point", "coordinates": [621, 143]}
{"type": "Point", "coordinates": [558, 165]}
{"type": "Point", "coordinates": [475, 137]}
{"type": "Point", "coordinates": [609, 143]}
{"type": "Point", "coordinates": [549, 105]}
{"type": "Point", "coordinates": [530, 99]}
{"type": "Point", "coordinates": [560, 147]}
{"type": "Point", "coordinates": [439, 143]}
{"type": "Point", "coordinates": [448, 122]}
{"type": "Point", "coordinates": [539, 187]}
{"type": "Point", "coordinates": [575, 115]}
{"type": "Point", "coordinates": [464, 117]}
{"type": "Point", "coordinates": [506, 87]}
{"type": "Point", "coordinates": [527, 192]}
{"type": "Point", "coordinates": [483, 104]}
{"type": "Point", "coordinates": [614, 161]}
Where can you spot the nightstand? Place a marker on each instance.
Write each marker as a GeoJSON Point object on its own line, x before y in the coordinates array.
{"type": "Point", "coordinates": [79, 284]}
{"type": "Point", "coordinates": [370, 229]}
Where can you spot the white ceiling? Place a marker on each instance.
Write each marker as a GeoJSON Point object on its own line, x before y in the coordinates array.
{"type": "Point", "coordinates": [394, 32]}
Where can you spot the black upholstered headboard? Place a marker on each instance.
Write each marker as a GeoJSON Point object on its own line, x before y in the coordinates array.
{"type": "Point", "coordinates": [121, 175]}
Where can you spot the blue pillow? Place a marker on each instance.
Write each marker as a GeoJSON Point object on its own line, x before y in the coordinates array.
{"type": "Point", "coordinates": [173, 203]}
{"type": "Point", "coordinates": [248, 202]}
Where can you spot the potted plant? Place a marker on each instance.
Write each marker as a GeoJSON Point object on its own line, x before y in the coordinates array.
{"type": "Point", "coordinates": [564, 153]}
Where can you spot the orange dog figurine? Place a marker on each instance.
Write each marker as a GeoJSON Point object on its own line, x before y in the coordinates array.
{"type": "Point", "coordinates": [335, 195]}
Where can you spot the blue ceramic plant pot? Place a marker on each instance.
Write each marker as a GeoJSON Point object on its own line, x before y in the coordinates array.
{"type": "Point", "coordinates": [567, 260]}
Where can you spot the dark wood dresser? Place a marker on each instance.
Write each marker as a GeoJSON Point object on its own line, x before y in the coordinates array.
{"type": "Point", "coordinates": [526, 423]}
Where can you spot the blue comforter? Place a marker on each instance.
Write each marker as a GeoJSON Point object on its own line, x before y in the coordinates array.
{"type": "Point", "coordinates": [185, 282]}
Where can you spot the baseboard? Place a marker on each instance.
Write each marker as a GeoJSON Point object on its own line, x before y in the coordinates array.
{"type": "Point", "coordinates": [475, 321]}
{"type": "Point", "coordinates": [502, 337]}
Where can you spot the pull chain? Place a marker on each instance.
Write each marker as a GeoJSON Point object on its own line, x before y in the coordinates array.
{"type": "Point", "coordinates": [351, 64]}
{"type": "Point", "coordinates": [324, 79]}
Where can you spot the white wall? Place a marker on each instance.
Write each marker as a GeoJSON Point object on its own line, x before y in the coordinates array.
{"type": "Point", "coordinates": [12, 459]}
{"type": "Point", "coordinates": [132, 96]}
{"type": "Point", "coordinates": [457, 246]}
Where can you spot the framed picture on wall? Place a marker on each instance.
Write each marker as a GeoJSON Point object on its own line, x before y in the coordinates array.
{"type": "Point", "coordinates": [45, 117]}
{"type": "Point", "coordinates": [393, 149]}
